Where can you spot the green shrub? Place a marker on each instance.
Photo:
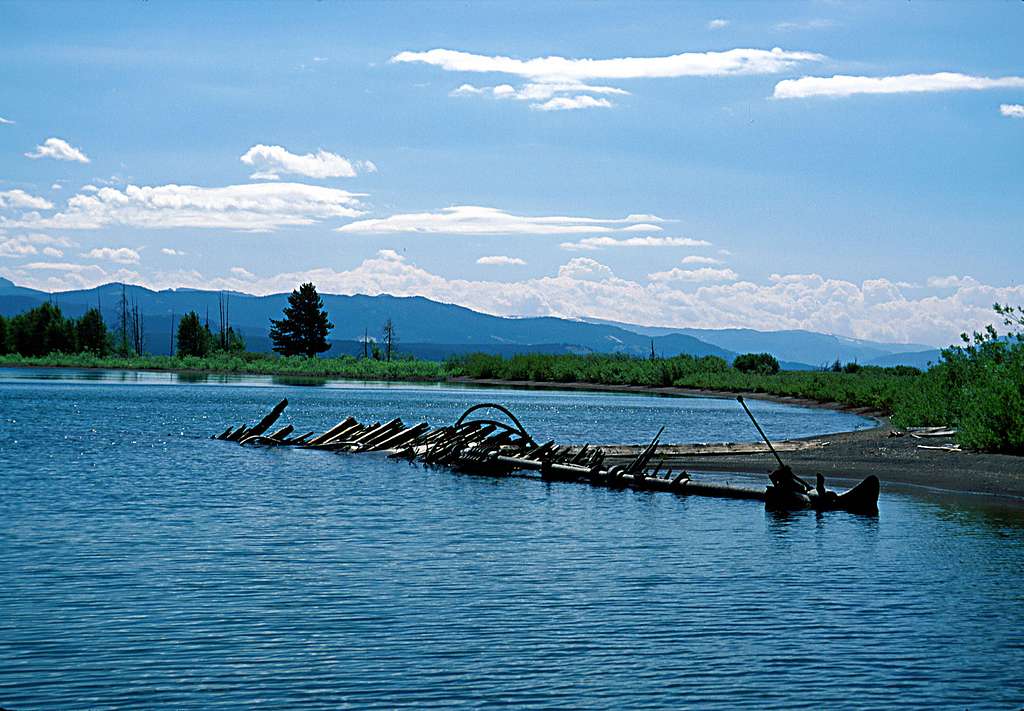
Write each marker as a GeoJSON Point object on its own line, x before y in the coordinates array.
{"type": "Point", "coordinates": [760, 363]}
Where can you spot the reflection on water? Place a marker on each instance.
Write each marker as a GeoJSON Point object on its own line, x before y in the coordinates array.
{"type": "Point", "coordinates": [148, 566]}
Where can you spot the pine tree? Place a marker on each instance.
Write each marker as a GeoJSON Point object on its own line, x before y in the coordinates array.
{"type": "Point", "coordinates": [92, 333]}
{"type": "Point", "coordinates": [193, 338]}
{"type": "Point", "coordinates": [304, 328]}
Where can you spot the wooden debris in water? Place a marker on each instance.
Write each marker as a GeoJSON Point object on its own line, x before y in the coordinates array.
{"type": "Point", "coordinates": [494, 447]}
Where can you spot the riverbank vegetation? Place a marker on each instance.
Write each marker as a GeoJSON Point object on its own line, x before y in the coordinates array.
{"type": "Point", "coordinates": [870, 387]}
{"type": "Point", "coordinates": [977, 388]}
{"type": "Point", "coordinates": [347, 367]}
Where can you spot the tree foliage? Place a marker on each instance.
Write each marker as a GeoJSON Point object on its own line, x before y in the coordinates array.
{"type": "Point", "coordinates": [760, 363]}
{"type": "Point", "coordinates": [977, 387]}
{"type": "Point", "coordinates": [304, 328]}
{"type": "Point", "coordinates": [44, 329]}
{"type": "Point", "coordinates": [92, 333]}
{"type": "Point", "coordinates": [194, 339]}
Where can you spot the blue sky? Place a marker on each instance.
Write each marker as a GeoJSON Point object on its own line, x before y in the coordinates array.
{"type": "Point", "coordinates": [668, 167]}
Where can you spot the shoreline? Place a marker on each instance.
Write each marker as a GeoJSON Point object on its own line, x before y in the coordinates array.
{"type": "Point", "coordinates": [846, 457]}
{"type": "Point", "coordinates": [671, 391]}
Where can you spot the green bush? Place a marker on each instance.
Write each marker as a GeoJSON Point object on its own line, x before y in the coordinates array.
{"type": "Point", "coordinates": [761, 363]}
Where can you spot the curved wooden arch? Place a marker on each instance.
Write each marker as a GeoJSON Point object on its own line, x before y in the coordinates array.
{"type": "Point", "coordinates": [518, 429]}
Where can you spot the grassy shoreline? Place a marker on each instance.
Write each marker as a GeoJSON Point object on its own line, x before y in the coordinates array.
{"type": "Point", "coordinates": [801, 388]}
{"type": "Point", "coordinates": [342, 368]}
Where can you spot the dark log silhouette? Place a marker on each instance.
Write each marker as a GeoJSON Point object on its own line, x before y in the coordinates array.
{"type": "Point", "coordinates": [495, 448]}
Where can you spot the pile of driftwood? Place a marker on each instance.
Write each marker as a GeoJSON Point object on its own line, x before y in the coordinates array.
{"type": "Point", "coordinates": [491, 447]}
{"type": "Point", "coordinates": [485, 446]}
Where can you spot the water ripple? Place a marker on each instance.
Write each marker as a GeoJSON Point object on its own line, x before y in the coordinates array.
{"type": "Point", "coordinates": [145, 566]}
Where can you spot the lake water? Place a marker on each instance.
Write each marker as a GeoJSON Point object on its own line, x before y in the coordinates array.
{"type": "Point", "coordinates": [144, 565]}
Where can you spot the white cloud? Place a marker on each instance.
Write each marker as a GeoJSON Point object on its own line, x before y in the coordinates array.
{"type": "Point", "coordinates": [252, 207]}
{"type": "Point", "coordinates": [467, 90]}
{"type": "Point", "coordinates": [843, 85]}
{"type": "Point", "coordinates": [695, 259]}
{"type": "Point", "coordinates": [500, 260]}
{"type": "Point", "coordinates": [15, 247]}
{"type": "Point", "coordinates": [1012, 110]}
{"type": "Point", "coordinates": [121, 255]}
{"type": "Point", "coordinates": [571, 103]}
{"type": "Point", "coordinates": [718, 24]}
{"type": "Point", "coordinates": [729, 62]}
{"type": "Point", "coordinates": [242, 273]}
{"type": "Point", "coordinates": [545, 90]}
{"type": "Point", "coordinates": [5, 122]}
{"type": "Point", "coordinates": [950, 282]}
{"type": "Point", "coordinates": [58, 149]}
{"type": "Point", "coordinates": [557, 83]}
{"type": "Point", "coordinates": [65, 267]}
{"type": "Point", "coordinates": [273, 161]}
{"type": "Point", "coordinates": [702, 274]}
{"type": "Point", "coordinates": [21, 199]}
{"type": "Point", "coordinates": [642, 227]}
{"type": "Point", "coordinates": [592, 243]}
{"type": "Point", "coordinates": [474, 220]}
{"type": "Point", "coordinates": [390, 255]}
{"type": "Point", "coordinates": [61, 276]}
{"type": "Point", "coordinates": [39, 238]}
{"type": "Point", "coordinates": [544, 94]}
{"type": "Point", "coordinates": [27, 245]}
{"type": "Point", "coordinates": [56, 186]}
{"type": "Point", "coordinates": [171, 252]}
{"type": "Point", "coordinates": [585, 269]}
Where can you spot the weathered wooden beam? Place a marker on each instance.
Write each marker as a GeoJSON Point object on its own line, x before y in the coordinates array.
{"type": "Point", "coordinates": [383, 433]}
{"type": "Point", "coordinates": [340, 427]}
{"type": "Point", "coordinates": [395, 440]}
{"type": "Point", "coordinates": [268, 421]}
{"type": "Point", "coordinates": [349, 434]}
{"type": "Point", "coordinates": [301, 439]}
{"type": "Point", "coordinates": [282, 433]}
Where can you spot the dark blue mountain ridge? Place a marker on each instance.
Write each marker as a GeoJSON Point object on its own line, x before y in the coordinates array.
{"type": "Point", "coordinates": [431, 329]}
{"type": "Point", "coordinates": [802, 346]}
{"type": "Point", "coordinates": [418, 321]}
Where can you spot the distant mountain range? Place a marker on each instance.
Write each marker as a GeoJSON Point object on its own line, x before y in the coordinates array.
{"type": "Point", "coordinates": [816, 349]}
{"type": "Point", "coordinates": [433, 330]}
